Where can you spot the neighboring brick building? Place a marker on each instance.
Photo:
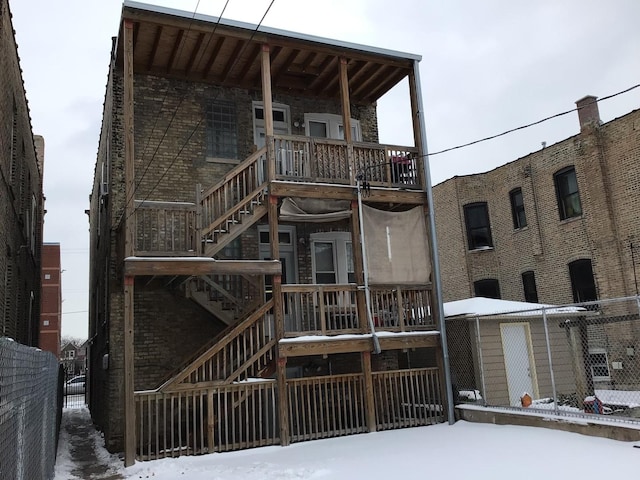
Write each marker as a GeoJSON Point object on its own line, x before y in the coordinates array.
{"type": "Point", "coordinates": [558, 226]}
{"type": "Point", "coordinates": [535, 228]}
{"type": "Point", "coordinates": [51, 308]}
{"type": "Point", "coordinates": [21, 206]}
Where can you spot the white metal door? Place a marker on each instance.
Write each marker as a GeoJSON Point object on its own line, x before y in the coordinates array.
{"type": "Point", "coordinates": [518, 361]}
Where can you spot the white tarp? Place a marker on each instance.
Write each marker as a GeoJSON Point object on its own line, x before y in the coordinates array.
{"type": "Point", "coordinates": [397, 246]}
{"type": "Point", "coordinates": [314, 210]}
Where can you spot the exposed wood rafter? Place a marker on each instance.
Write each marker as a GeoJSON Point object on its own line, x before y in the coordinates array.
{"type": "Point", "coordinates": [194, 53]}
{"type": "Point", "coordinates": [212, 58]}
{"type": "Point", "coordinates": [154, 47]}
{"type": "Point", "coordinates": [174, 50]}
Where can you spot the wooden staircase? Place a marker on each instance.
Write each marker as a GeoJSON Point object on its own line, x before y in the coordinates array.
{"type": "Point", "coordinates": [241, 351]}
{"type": "Point", "coordinates": [234, 204]}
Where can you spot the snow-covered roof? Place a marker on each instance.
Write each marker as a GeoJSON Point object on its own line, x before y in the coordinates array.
{"type": "Point", "coordinates": [481, 306]}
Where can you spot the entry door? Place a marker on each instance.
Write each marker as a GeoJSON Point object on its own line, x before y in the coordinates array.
{"type": "Point", "coordinates": [286, 237]}
{"type": "Point", "coordinates": [518, 360]}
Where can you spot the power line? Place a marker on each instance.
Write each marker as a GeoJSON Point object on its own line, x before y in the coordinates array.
{"type": "Point", "coordinates": [457, 147]}
{"type": "Point", "coordinates": [194, 130]}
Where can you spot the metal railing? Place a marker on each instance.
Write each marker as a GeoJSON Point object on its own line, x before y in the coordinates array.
{"type": "Point", "coordinates": [30, 410]}
{"type": "Point", "coordinates": [578, 360]}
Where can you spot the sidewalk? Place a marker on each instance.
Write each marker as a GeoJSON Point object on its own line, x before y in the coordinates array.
{"type": "Point", "coordinates": [81, 454]}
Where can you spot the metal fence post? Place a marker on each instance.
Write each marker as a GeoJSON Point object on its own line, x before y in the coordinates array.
{"type": "Point", "coordinates": [553, 379]}
{"type": "Point", "coordinates": [479, 348]}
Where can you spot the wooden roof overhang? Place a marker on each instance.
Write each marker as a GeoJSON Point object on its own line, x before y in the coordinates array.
{"type": "Point", "coordinates": [356, 343]}
{"type": "Point", "coordinates": [174, 43]}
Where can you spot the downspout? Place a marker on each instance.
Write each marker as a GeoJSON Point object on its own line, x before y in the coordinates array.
{"type": "Point", "coordinates": [434, 246]}
{"type": "Point", "coordinates": [365, 268]}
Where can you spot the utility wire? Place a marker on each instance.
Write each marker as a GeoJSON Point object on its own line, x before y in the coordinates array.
{"type": "Point", "coordinates": [175, 111]}
{"type": "Point", "coordinates": [194, 130]}
{"type": "Point", "coordinates": [457, 147]}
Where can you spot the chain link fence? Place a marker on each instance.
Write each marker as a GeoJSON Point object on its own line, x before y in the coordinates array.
{"type": "Point", "coordinates": [579, 359]}
{"type": "Point", "coordinates": [30, 411]}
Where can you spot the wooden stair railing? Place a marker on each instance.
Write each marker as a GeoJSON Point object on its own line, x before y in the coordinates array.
{"type": "Point", "coordinates": [241, 351]}
{"type": "Point", "coordinates": [233, 204]}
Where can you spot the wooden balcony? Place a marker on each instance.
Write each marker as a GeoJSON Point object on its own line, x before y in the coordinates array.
{"type": "Point", "coordinates": [320, 160]}
{"type": "Point", "coordinates": [165, 229]}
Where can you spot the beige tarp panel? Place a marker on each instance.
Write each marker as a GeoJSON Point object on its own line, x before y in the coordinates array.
{"type": "Point", "coordinates": [397, 246]}
{"type": "Point", "coordinates": [314, 210]}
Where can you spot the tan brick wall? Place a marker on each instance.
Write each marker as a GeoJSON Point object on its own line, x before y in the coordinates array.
{"type": "Point", "coordinates": [606, 163]}
{"type": "Point", "coordinates": [20, 181]}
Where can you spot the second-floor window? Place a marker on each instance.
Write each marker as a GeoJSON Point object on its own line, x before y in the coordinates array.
{"type": "Point", "coordinates": [567, 193]}
{"type": "Point", "coordinates": [488, 288]}
{"type": "Point", "coordinates": [222, 131]}
{"type": "Point", "coordinates": [476, 219]}
{"type": "Point", "coordinates": [70, 354]}
{"type": "Point", "coordinates": [529, 286]}
{"type": "Point", "coordinates": [517, 208]}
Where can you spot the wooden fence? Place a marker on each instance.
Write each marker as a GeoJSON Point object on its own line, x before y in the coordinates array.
{"type": "Point", "coordinates": [407, 398]}
{"type": "Point", "coordinates": [322, 407]}
{"type": "Point", "coordinates": [218, 419]}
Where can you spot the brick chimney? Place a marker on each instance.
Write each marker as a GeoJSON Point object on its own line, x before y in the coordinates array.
{"type": "Point", "coordinates": [588, 113]}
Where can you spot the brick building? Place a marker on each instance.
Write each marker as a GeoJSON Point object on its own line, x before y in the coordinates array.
{"type": "Point", "coordinates": [20, 196]}
{"type": "Point", "coordinates": [243, 147]}
{"type": "Point", "coordinates": [556, 225]}
{"type": "Point", "coordinates": [51, 307]}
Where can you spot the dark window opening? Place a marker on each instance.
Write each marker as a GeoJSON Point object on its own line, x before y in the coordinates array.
{"type": "Point", "coordinates": [517, 208]}
{"type": "Point", "coordinates": [476, 218]}
{"type": "Point", "coordinates": [567, 194]}
{"type": "Point", "coordinates": [222, 132]}
{"type": "Point", "coordinates": [529, 286]}
{"type": "Point", "coordinates": [582, 281]}
{"type": "Point", "coordinates": [488, 288]}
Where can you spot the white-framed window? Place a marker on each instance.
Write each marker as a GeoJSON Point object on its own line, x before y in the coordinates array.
{"type": "Point", "coordinates": [70, 354]}
{"type": "Point", "coordinates": [599, 365]}
{"type": "Point", "coordinates": [45, 323]}
{"type": "Point", "coordinates": [47, 276]}
{"type": "Point", "coordinates": [281, 115]}
{"type": "Point", "coordinates": [328, 125]}
{"type": "Point", "coordinates": [332, 257]}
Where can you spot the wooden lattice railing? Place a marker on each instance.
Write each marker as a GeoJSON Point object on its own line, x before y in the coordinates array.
{"type": "Point", "coordinates": [333, 309]}
{"type": "Point", "coordinates": [165, 228]}
{"type": "Point", "coordinates": [245, 351]}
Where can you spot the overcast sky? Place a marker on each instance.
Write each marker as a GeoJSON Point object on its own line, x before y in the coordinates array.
{"type": "Point", "coordinates": [486, 67]}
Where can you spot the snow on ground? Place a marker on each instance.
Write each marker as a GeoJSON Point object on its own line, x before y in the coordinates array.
{"type": "Point", "coordinates": [464, 450]}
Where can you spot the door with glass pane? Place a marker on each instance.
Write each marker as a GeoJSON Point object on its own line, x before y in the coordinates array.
{"type": "Point", "coordinates": [332, 263]}
{"type": "Point", "coordinates": [286, 241]}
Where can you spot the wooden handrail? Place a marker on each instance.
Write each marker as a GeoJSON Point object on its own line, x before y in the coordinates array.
{"type": "Point", "coordinates": [236, 170]}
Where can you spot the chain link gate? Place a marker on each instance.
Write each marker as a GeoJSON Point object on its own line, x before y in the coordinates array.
{"type": "Point", "coordinates": [578, 360]}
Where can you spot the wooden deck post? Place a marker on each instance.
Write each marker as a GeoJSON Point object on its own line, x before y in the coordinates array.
{"type": "Point", "coordinates": [368, 392]}
{"type": "Point", "coordinates": [358, 266]}
{"type": "Point", "coordinates": [415, 117]}
{"type": "Point", "coordinates": [283, 400]}
{"type": "Point", "coordinates": [346, 117]}
{"type": "Point", "coordinates": [129, 226]}
{"type": "Point", "coordinates": [267, 105]}
{"type": "Point", "coordinates": [129, 402]}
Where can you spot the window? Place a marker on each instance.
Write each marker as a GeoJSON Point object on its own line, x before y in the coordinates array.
{"type": "Point", "coordinates": [599, 365]}
{"type": "Point", "coordinates": [70, 354]}
{"type": "Point", "coordinates": [582, 282]}
{"type": "Point", "coordinates": [222, 134]}
{"type": "Point", "coordinates": [529, 286]}
{"type": "Point", "coordinates": [47, 276]}
{"type": "Point", "coordinates": [476, 218]}
{"type": "Point", "coordinates": [488, 288]}
{"type": "Point", "coordinates": [567, 193]}
{"type": "Point", "coordinates": [517, 208]}
{"type": "Point", "coordinates": [45, 323]}
{"type": "Point", "coordinates": [332, 260]}
{"type": "Point", "coordinates": [328, 125]}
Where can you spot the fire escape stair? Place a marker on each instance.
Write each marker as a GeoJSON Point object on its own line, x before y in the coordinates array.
{"type": "Point", "coordinates": [243, 350]}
